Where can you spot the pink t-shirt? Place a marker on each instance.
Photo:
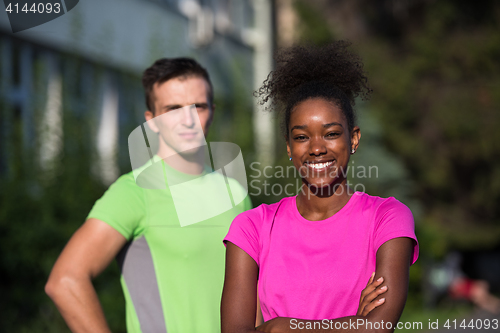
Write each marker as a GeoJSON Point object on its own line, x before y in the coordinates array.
{"type": "Point", "coordinates": [317, 269]}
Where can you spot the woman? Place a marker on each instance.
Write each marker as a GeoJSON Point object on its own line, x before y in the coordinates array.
{"type": "Point", "coordinates": [312, 253]}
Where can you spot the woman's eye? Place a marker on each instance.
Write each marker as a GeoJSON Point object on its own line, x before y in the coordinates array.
{"type": "Point", "coordinates": [300, 137]}
{"type": "Point", "coordinates": [332, 134]}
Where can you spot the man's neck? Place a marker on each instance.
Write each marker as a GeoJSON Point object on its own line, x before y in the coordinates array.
{"type": "Point", "coordinates": [192, 163]}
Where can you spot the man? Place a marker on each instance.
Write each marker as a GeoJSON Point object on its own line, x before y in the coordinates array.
{"type": "Point", "coordinates": [172, 270]}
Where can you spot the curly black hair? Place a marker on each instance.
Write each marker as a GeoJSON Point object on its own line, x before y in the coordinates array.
{"type": "Point", "coordinates": [331, 72]}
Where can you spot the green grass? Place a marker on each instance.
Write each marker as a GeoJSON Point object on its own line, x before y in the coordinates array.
{"type": "Point", "coordinates": [414, 315]}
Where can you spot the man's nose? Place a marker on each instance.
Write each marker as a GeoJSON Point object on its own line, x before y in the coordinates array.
{"type": "Point", "coordinates": [188, 115]}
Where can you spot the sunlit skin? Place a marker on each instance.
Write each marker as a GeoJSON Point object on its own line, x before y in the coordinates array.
{"type": "Point", "coordinates": [318, 132]}
{"type": "Point", "coordinates": [180, 133]}
{"type": "Point", "coordinates": [320, 144]}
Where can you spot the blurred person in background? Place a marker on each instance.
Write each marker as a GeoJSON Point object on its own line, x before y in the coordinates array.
{"type": "Point", "coordinates": [448, 279]}
{"type": "Point", "coordinates": [311, 253]}
{"type": "Point", "coordinates": [172, 276]}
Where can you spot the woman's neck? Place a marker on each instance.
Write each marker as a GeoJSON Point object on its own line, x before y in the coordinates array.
{"type": "Point", "coordinates": [317, 204]}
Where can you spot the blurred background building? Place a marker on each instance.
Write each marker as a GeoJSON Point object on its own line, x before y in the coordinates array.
{"type": "Point", "coordinates": [89, 61]}
{"type": "Point", "coordinates": [70, 93]}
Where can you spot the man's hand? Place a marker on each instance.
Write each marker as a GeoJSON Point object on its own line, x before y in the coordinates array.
{"type": "Point", "coordinates": [368, 301]}
{"type": "Point", "coordinates": [87, 254]}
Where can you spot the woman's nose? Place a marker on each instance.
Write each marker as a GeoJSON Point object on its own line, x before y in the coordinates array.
{"type": "Point", "coordinates": [317, 146]}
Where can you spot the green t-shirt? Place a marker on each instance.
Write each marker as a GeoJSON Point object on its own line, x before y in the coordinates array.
{"type": "Point", "coordinates": [173, 266]}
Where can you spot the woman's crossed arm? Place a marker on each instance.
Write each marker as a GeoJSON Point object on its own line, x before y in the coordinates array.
{"type": "Point", "coordinates": [393, 263]}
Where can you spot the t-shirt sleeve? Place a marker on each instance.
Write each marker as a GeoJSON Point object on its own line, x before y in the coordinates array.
{"type": "Point", "coordinates": [244, 233]}
{"type": "Point", "coordinates": [121, 206]}
{"type": "Point", "coordinates": [394, 219]}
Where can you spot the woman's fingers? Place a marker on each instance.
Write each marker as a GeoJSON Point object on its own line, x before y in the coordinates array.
{"type": "Point", "coordinates": [371, 279]}
{"type": "Point", "coordinates": [367, 301]}
{"type": "Point", "coordinates": [370, 301]}
{"type": "Point", "coordinates": [367, 309]}
{"type": "Point", "coordinates": [370, 287]}
{"type": "Point", "coordinates": [374, 294]}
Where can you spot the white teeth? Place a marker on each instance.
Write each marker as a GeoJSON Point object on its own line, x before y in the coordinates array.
{"type": "Point", "coordinates": [319, 165]}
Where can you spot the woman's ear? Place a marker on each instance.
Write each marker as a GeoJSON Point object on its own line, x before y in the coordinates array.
{"type": "Point", "coordinates": [355, 137]}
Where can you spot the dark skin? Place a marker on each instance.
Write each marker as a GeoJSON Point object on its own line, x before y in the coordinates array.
{"type": "Point", "coordinates": [319, 134]}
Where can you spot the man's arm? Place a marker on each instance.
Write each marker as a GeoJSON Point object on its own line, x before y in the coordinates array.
{"type": "Point", "coordinates": [87, 254]}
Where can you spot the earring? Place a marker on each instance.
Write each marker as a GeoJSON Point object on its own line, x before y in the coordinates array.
{"type": "Point", "coordinates": [353, 151]}
{"type": "Point", "coordinates": [290, 158]}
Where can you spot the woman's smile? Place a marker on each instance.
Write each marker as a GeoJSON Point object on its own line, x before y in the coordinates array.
{"type": "Point", "coordinates": [318, 167]}
{"type": "Point", "coordinates": [320, 142]}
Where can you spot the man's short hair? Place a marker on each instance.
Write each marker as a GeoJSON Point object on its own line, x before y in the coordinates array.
{"type": "Point", "coordinates": [169, 68]}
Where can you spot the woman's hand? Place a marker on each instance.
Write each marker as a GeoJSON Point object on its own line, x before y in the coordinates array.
{"type": "Point", "coordinates": [368, 300]}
